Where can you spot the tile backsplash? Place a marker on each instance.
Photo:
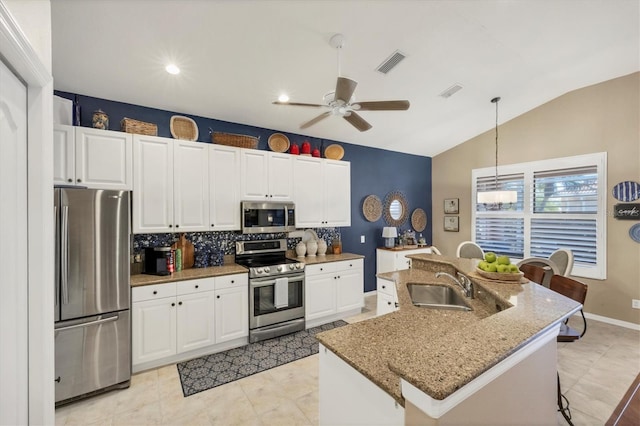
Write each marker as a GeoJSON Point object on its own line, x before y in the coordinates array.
{"type": "Point", "coordinates": [210, 247]}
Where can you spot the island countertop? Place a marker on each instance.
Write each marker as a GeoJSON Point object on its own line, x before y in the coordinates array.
{"type": "Point", "coordinates": [439, 351]}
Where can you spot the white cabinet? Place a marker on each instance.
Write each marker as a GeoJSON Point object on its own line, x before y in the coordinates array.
{"type": "Point", "coordinates": [322, 192]}
{"type": "Point", "coordinates": [171, 185]}
{"type": "Point", "coordinates": [93, 158]}
{"type": "Point", "coordinates": [232, 307]}
{"type": "Point", "coordinates": [333, 290]}
{"type": "Point", "coordinates": [266, 175]}
{"type": "Point", "coordinates": [396, 260]}
{"type": "Point", "coordinates": [224, 188]}
{"type": "Point", "coordinates": [187, 317]}
{"type": "Point", "coordinates": [387, 296]}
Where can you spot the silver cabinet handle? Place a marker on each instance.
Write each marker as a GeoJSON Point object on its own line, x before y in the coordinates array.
{"type": "Point", "coordinates": [88, 324]}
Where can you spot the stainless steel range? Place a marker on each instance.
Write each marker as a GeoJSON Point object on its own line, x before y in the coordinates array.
{"type": "Point", "coordinates": [276, 288]}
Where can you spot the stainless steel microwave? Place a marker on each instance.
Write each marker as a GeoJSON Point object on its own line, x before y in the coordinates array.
{"type": "Point", "coordinates": [267, 217]}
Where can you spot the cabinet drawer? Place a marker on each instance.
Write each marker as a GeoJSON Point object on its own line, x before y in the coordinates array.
{"type": "Point", "coordinates": [386, 287]}
{"type": "Point", "coordinates": [231, 281]}
{"type": "Point", "coordinates": [195, 286]}
{"type": "Point", "coordinates": [155, 291]}
{"type": "Point", "coordinates": [330, 267]}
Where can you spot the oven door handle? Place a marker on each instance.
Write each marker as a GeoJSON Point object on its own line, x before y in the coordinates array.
{"type": "Point", "coordinates": [255, 283]}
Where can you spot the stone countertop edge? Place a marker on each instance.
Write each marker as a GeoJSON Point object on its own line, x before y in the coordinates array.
{"type": "Point", "coordinates": [439, 351]}
{"type": "Point", "coordinates": [229, 269]}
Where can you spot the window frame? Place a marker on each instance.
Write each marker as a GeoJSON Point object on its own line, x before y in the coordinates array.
{"type": "Point", "coordinates": [598, 271]}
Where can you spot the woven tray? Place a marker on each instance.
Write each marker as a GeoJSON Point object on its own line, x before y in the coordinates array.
{"type": "Point", "coordinates": [372, 208]}
{"type": "Point", "coordinates": [130, 125]}
{"type": "Point", "coordinates": [231, 139]}
{"type": "Point", "coordinates": [183, 128]}
{"type": "Point", "coordinates": [419, 220]}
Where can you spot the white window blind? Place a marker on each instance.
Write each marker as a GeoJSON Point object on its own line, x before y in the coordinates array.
{"type": "Point", "coordinates": [561, 204]}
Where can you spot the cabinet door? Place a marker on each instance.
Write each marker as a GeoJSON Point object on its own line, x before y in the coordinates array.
{"type": "Point", "coordinates": [320, 296]}
{"type": "Point", "coordinates": [255, 176]}
{"type": "Point", "coordinates": [154, 329]}
{"type": "Point", "coordinates": [385, 261]}
{"type": "Point", "coordinates": [103, 159]}
{"type": "Point", "coordinates": [337, 193]}
{"type": "Point", "coordinates": [307, 175]}
{"type": "Point", "coordinates": [153, 184]}
{"type": "Point", "coordinates": [63, 155]}
{"type": "Point", "coordinates": [280, 176]}
{"type": "Point", "coordinates": [190, 186]}
{"type": "Point", "coordinates": [224, 188]}
{"type": "Point", "coordinates": [385, 304]}
{"type": "Point", "coordinates": [196, 318]}
{"type": "Point", "coordinates": [232, 313]}
{"type": "Point", "coordinates": [350, 287]}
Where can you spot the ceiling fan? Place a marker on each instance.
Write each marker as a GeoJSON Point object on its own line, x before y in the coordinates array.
{"type": "Point", "coordinates": [341, 102]}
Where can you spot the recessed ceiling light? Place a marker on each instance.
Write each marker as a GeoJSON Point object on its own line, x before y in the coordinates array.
{"type": "Point", "coordinates": [172, 69]}
{"type": "Point", "coordinates": [283, 98]}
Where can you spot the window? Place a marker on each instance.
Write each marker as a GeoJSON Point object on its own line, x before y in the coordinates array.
{"type": "Point", "coordinates": [561, 203]}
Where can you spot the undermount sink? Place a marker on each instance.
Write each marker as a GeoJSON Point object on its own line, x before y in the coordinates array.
{"type": "Point", "coordinates": [437, 297]}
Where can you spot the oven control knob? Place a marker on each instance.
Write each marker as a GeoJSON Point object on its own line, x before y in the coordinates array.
{"type": "Point", "coordinates": [292, 266]}
{"type": "Point", "coordinates": [298, 266]}
{"type": "Point", "coordinates": [280, 268]}
{"type": "Point", "coordinates": [258, 270]}
{"type": "Point", "coordinates": [266, 269]}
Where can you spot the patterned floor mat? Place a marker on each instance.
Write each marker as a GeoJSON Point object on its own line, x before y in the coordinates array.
{"type": "Point", "coordinates": [217, 369]}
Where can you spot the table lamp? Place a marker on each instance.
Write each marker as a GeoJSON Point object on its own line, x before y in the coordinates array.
{"type": "Point", "coordinates": [389, 233]}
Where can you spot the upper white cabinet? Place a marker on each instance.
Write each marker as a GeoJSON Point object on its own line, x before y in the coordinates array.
{"type": "Point", "coordinates": [224, 188]}
{"type": "Point", "coordinates": [266, 175]}
{"type": "Point", "coordinates": [171, 185]}
{"type": "Point", "coordinates": [93, 158]}
{"type": "Point", "coordinates": [322, 192]}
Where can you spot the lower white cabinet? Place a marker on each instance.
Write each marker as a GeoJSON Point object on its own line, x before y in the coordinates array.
{"type": "Point", "coordinates": [387, 296]}
{"type": "Point", "coordinates": [186, 317]}
{"type": "Point", "coordinates": [332, 290]}
{"type": "Point", "coordinates": [396, 260]}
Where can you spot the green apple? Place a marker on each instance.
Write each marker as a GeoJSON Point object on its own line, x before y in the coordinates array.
{"type": "Point", "coordinates": [492, 267]}
{"type": "Point", "coordinates": [502, 268]}
{"type": "Point", "coordinates": [490, 257]}
{"type": "Point", "coordinates": [503, 260]}
{"type": "Point", "coordinates": [514, 269]}
{"type": "Point", "coordinates": [482, 265]}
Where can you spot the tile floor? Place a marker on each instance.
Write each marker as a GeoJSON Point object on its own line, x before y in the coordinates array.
{"type": "Point", "coordinates": [595, 373]}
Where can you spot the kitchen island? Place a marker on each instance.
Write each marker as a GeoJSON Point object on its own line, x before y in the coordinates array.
{"type": "Point", "coordinates": [446, 366]}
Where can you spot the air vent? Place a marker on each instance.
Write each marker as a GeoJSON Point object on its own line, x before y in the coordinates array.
{"type": "Point", "coordinates": [450, 91]}
{"type": "Point", "coordinates": [391, 62]}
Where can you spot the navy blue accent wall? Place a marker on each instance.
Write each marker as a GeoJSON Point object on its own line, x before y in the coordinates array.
{"type": "Point", "coordinates": [373, 171]}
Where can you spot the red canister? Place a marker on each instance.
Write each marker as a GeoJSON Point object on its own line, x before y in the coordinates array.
{"type": "Point", "coordinates": [306, 148]}
{"type": "Point", "coordinates": [294, 149]}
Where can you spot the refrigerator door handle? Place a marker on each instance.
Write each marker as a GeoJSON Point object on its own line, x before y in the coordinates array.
{"type": "Point", "coordinates": [88, 324]}
{"type": "Point", "coordinates": [57, 255]}
{"type": "Point", "coordinates": [65, 254]}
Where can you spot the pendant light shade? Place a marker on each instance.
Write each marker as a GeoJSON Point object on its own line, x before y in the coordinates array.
{"type": "Point", "coordinates": [497, 197]}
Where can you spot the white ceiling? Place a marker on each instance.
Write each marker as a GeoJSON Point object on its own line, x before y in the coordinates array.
{"type": "Point", "coordinates": [238, 56]}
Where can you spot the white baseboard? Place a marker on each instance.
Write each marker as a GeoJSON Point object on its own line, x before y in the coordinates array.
{"type": "Point", "coordinates": [613, 321]}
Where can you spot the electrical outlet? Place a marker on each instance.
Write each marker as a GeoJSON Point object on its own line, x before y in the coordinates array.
{"type": "Point", "coordinates": [361, 239]}
{"type": "Point", "coordinates": [635, 303]}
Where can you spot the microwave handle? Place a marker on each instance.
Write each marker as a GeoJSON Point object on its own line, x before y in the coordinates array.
{"type": "Point", "coordinates": [286, 216]}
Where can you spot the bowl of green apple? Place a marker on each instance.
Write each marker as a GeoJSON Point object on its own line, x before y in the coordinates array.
{"type": "Point", "coordinates": [500, 268]}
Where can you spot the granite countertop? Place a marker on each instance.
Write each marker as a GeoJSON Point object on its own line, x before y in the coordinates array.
{"type": "Point", "coordinates": [439, 351]}
{"type": "Point", "coordinates": [188, 274]}
{"type": "Point", "coordinates": [326, 258]}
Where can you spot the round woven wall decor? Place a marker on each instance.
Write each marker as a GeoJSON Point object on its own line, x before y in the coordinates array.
{"type": "Point", "coordinates": [419, 220]}
{"type": "Point", "coordinates": [372, 208]}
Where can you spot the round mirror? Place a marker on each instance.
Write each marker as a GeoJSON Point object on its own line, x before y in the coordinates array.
{"type": "Point", "coordinates": [395, 209]}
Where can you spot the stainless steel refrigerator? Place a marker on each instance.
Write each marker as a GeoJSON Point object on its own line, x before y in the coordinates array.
{"type": "Point", "coordinates": [92, 295]}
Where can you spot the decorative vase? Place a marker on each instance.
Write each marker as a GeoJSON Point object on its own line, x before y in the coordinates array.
{"type": "Point", "coordinates": [322, 247]}
{"type": "Point", "coordinates": [301, 249]}
{"type": "Point", "coordinates": [312, 247]}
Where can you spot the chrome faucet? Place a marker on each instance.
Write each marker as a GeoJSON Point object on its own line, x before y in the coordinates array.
{"type": "Point", "coordinates": [462, 281]}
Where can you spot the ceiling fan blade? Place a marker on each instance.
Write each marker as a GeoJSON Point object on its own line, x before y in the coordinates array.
{"type": "Point", "coordinates": [315, 120]}
{"type": "Point", "coordinates": [382, 106]}
{"type": "Point", "coordinates": [297, 104]}
{"type": "Point", "coordinates": [357, 121]}
{"type": "Point", "coordinates": [345, 88]}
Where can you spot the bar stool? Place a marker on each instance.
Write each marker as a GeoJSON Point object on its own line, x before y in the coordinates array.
{"type": "Point", "coordinates": [533, 273]}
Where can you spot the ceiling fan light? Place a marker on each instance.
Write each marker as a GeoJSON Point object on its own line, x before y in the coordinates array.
{"type": "Point", "coordinates": [172, 69]}
{"type": "Point", "coordinates": [497, 197]}
{"type": "Point", "coordinates": [283, 98]}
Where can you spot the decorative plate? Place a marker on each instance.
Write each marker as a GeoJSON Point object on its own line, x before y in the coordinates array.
{"type": "Point", "coordinates": [183, 128]}
{"type": "Point", "coordinates": [334, 152]}
{"type": "Point", "coordinates": [419, 220]}
{"type": "Point", "coordinates": [499, 276]}
{"type": "Point", "coordinates": [372, 208]}
{"type": "Point", "coordinates": [626, 191]}
{"type": "Point", "coordinates": [278, 142]}
{"type": "Point", "coordinates": [634, 232]}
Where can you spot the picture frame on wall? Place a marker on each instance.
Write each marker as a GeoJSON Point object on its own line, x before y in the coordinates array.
{"type": "Point", "coordinates": [451, 206]}
{"type": "Point", "coordinates": [452, 223]}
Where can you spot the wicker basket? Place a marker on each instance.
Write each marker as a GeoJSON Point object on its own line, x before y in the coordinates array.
{"type": "Point", "coordinates": [230, 139]}
{"type": "Point", "coordinates": [130, 125]}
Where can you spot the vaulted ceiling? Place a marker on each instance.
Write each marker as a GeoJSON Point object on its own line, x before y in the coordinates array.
{"type": "Point", "coordinates": [237, 57]}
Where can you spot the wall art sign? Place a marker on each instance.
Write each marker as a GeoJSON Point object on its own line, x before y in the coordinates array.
{"type": "Point", "coordinates": [627, 211]}
{"type": "Point", "coordinates": [627, 191]}
{"type": "Point", "coordinates": [451, 206]}
{"type": "Point", "coordinates": [452, 223]}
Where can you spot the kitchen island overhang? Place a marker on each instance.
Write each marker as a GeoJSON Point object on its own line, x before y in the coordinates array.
{"type": "Point", "coordinates": [444, 356]}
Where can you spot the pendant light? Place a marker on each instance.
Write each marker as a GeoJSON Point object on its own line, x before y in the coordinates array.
{"type": "Point", "coordinates": [496, 196]}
